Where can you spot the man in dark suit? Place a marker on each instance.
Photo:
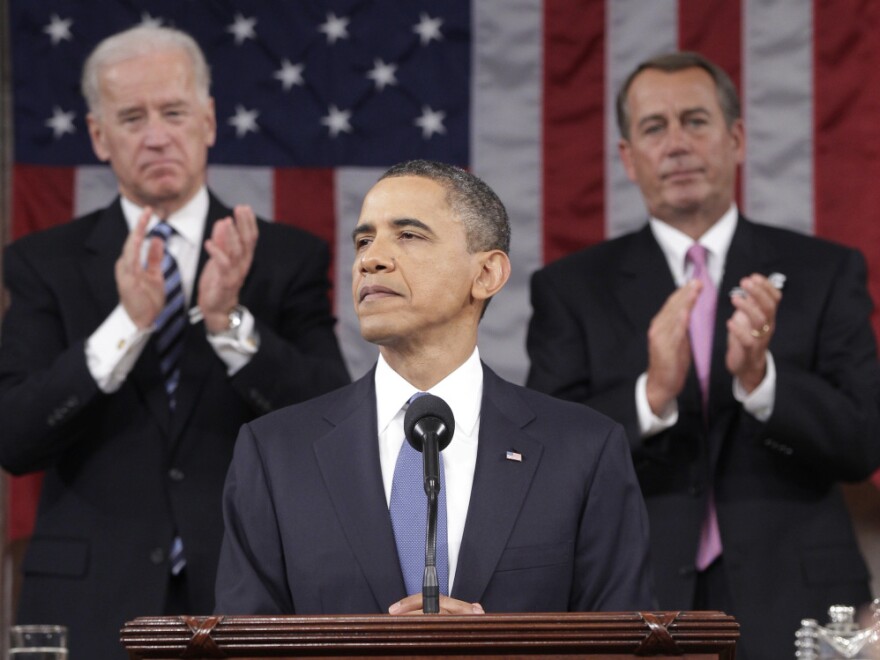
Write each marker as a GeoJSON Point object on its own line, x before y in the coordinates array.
{"type": "Point", "coordinates": [542, 506]}
{"type": "Point", "coordinates": [740, 425]}
{"type": "Point", "coordinates": [134, 419]}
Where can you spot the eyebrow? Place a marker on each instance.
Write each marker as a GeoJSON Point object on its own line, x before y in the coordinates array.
{"type": "Point", "coordinates": [658, 116]}
{"type": "Point", "coordinates": [369, 227]}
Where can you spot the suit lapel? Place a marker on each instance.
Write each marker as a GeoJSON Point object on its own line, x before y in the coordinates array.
{"type": "Point", "coordinates": [499, 488]}
{"type": "Point", "coordinates": [645, 283]}
{"type": "Point", "coordinates": [644, 279]}
{"type": "Point", "coordinates": [348, 458]}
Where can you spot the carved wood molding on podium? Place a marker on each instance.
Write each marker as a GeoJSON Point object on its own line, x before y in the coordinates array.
{"type": "Point", "coordinates": [692, 635]}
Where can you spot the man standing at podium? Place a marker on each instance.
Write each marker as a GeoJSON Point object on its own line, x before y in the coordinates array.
{"type": "Point", "coordinates": [542, 509]}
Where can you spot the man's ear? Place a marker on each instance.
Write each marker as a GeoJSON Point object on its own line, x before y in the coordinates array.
{"type": "Point", "coordinates": [493, 275]}
{"type": "Point", "coordinates": [624, 148]}
{"type": "Point", "coordinates": [96, 133]}
{"type": "Point", "coordinates": [210, 120]}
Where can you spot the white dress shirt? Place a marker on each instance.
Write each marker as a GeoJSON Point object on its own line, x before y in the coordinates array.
{"type": "Point", "coordinates": [114, 348]}
{"type": "Point", "coordinates": [463, 391]}
{"type": "Point", "coordinates": [674, 245]}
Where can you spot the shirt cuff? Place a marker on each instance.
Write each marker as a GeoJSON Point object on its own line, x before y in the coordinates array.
{"type": "Point", "coordinates": [649, 423]}
{"type": "Point", "coordinates": [236, 348]}
{"type": "Point", "coordinates": [759, 402]}
{"type": "Point", "coordinates": [113, 349]}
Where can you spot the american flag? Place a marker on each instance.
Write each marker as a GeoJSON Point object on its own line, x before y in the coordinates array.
{"type": "Point", "coordinates": [315, 99]}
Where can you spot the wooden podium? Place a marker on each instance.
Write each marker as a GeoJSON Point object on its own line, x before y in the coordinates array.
{"type": "Point", "coordinates": [680, 635]}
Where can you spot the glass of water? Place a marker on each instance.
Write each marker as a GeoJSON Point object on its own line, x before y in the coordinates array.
{"type": "Point", "coordinates": [38, 643]}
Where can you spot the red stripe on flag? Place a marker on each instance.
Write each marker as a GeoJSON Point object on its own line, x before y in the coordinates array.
{"type": "Point", "coordinates": [306, 198]}
{"type": "Point", "coordinates": [573, 125]}
{"type": "Point", "coordinates": [41, 197]}
{"type": "Point", "coordinates": [846, 78]}
{"type": "Point", "coordinates": [714, 29]}
{"type": "Point", "coordinates": [24, 496]}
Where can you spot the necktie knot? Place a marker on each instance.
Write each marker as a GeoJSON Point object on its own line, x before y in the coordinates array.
{"type": "Point", "coordinates": [697, 254]}
{"type": "Point", "coordinates": [162, 230]}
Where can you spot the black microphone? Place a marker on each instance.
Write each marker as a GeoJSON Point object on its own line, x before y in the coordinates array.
{"type": "Point", "coordinates": [429, 425]}
{"type": "Point", "coordinates": [429, 418]}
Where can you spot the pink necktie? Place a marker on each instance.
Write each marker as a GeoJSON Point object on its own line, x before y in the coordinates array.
{"type": "Point", "coordinates": [702, 326]}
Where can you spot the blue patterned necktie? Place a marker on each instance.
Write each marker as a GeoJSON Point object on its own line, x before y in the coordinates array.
{"type": "Point", "coordinates": [409, 518]}
{"type": "Point", "coordinates": [170, 324]}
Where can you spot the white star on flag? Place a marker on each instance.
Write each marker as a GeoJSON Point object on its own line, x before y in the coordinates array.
{"type": "Point", "coordinates": [149, 21]}
{"type": "Point", "coordinates": [290, 74]}
{"type": "Point", "coordinates": [335, 27]}
{"type": "Point", "coordinates": [58, 29]}
{"type": "Point", "coordinates": [337, 121]}
{"type": "Point", "coordinates": [382, 74]}
{"type": "Point", "coordinates": [61, 122]}
{"type": "Point", "coordinates": [243, 28]}
{"type": "Point", "coordinates": [431, 122]}
{"type": "Point", "coordinates": [428, 28]}
{"type": "Point", "coordinates": [245, 121]}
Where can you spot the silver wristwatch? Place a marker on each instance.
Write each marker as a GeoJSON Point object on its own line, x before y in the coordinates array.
{"type": "Point", "coordinates": [236, 316]}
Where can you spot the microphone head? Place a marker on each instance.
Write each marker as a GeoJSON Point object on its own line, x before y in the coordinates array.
{"type": "Point", "coordinates": [428, 414]}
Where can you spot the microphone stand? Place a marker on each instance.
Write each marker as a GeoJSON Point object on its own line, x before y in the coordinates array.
{"type": "Point", "coordinates": [430, 584]}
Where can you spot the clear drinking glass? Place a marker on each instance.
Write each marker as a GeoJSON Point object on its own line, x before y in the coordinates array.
{"type": "Point", "coordinates": [38, 643]}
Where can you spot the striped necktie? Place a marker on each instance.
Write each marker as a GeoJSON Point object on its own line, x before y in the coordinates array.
{"type": "Point", "coordinates": [702, 329]}
{"type": "Point", "coordinates": [171, 322]}
{"type": "Point", "coordinates": [409, 518]}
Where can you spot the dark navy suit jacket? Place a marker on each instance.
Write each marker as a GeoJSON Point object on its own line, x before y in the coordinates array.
{"type": "Point", "coordinates": [123, 475]}
{"type": "Point", "coordinates": [308, 529]}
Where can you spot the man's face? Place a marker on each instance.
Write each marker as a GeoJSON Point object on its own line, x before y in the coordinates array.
{"type": "Point", "coordinates": [154, 129]}
{"type": "Point", "coordinates": [412, 275]}
{"type": "Point", "coordinates": [680, 151]}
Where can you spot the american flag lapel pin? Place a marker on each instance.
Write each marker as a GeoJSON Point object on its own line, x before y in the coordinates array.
{"type": "Point", "coordinates": [513, 455]}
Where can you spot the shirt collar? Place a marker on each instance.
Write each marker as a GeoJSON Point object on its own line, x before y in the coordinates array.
{"type": "Point", "coordinates": [188, 221]}
{"type": "Point", "coordinates": [462, 390]}
{"type": "Point", "coordinates": [675, 243]}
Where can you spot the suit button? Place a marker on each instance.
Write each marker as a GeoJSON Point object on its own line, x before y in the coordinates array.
{"type": "Point", "coordinates": [695, 490]}
{"type": "Point", "coordinates": [157, 556]}
{"type": "Point", "coordinates": [175, 475]}
{"type": "Point", "coordinates": [686, 571]}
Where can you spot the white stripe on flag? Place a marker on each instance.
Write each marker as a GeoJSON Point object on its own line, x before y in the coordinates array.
{"type": "Point", "coordinates": [94, 186]}
{"type": "Point", "coordinates": [634, 31]}
{"type": "Point", "coordinates": [506, 147]}
{"type": "Point", "coordinates": [245, 185]}
{"type": "Point", "coordinates": [778, 86]}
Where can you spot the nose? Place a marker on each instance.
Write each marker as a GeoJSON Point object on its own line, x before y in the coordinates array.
{"type": "Point", "coordinates": [677, 140]}
{"type": "Point", "coordinates": [375, 258]}
{"type": "Point", "coordinates": [156, 133]}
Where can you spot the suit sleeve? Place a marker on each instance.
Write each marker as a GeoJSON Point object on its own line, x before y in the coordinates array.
{"type": "Point", "coordinates": [250, 577]}
{"type": "Point", "coordinates": [612, 567]}
{"type": "Point", "coordinates": [299, 356]}
{"type": "Point", "coordinates": [559, 356]}
{"type": "Point", "coordinates": [828, 413]}
{"type": "Point", "coordinates": [46, 390]}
